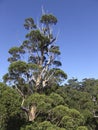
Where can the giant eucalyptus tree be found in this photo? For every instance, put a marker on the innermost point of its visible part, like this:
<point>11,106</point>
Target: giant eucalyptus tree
<point>34,65</point>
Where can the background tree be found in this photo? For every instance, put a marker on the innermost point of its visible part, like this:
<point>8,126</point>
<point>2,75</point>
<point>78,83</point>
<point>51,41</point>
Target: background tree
<point>11,116</point>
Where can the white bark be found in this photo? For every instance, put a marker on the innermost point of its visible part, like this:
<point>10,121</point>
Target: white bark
<point>32,113</point>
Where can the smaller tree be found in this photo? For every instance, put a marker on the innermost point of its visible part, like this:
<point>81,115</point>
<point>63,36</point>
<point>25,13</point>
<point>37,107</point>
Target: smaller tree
<point>11,116</point>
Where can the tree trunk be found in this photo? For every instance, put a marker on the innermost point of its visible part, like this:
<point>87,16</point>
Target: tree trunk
<point>32,113</point>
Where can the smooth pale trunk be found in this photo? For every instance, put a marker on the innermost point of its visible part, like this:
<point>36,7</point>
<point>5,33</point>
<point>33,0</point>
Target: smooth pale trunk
<point>32,113</point>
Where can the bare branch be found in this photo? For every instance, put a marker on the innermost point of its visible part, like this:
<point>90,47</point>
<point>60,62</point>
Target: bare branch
<point>32,79</point>
<point>43,11</point>
<point>38,25</point>
<point>57,35</point>
<point>22,102</point>
<point>19,91</point>
<point>45,69</point>
<point>52,40</point>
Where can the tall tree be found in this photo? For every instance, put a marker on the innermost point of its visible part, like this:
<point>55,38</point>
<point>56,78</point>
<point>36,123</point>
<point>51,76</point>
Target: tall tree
<point>34,65</point>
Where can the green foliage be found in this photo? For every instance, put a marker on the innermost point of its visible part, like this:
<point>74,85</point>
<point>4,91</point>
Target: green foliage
<point>42,102</point>
<point>29,23</point>
<point>65,117</point>
<point>56,99</point>
<point>46,125</point>
<point>16,54</point>
<point>18,67</point>
<point>48,19</point>
<point>82,128</point>
<point>66,108</point>
<point>10,112</point>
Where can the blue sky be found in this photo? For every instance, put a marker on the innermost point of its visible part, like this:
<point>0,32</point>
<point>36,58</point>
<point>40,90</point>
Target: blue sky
<point>77,24</point>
